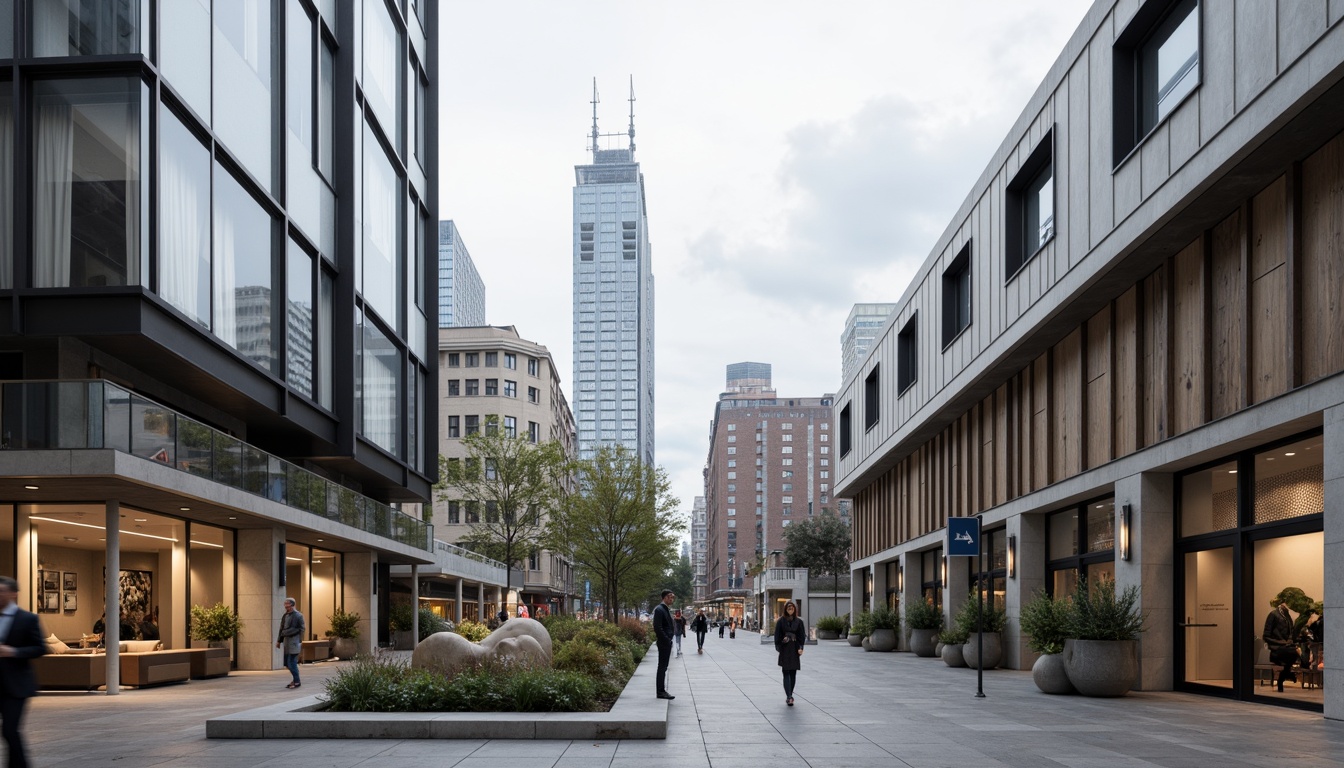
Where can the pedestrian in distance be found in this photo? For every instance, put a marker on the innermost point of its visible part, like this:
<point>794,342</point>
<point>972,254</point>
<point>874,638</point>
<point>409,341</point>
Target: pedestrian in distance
<point>680,622</point>
<point>790,638</point>
<point>664,629</point>
<point>722,624</point>
<point>291,638</point>
<point>503,615</point>
<point>732,627</point>
<point>20,640</point>
<point>700,626</point>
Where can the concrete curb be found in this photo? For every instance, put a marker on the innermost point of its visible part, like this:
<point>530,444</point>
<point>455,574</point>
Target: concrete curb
<point>636,715</point>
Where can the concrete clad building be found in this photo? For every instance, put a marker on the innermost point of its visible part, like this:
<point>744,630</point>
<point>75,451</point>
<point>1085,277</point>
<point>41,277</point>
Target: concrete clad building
<point>217,383</point>
<point>1126,352</point>
<point>461,290</point>
<point>769,465</point>
<point>613,300</point>
<point>491,371</point>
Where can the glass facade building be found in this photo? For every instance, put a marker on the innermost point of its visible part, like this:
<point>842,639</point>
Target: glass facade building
<point>461,292</point>
<point>213,223</point>
<point>865,321</point>
<point>613,305</point>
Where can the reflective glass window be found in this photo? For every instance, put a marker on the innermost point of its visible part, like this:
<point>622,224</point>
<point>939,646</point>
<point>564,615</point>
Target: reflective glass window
<point>1101,526</point>
<point>325,289</point>
<point>302,184</point>
<point>382,230</point>
<point>88,202</point>
<point>1169,64</point>
<point>6,179</point>
<point>1290,481</point>
<point>382,69</point>
<point>83,28</point>
<point>243,51</point>
<point>380,390</point>
<point>1209,500</point>
<point>1063,532</point>
<point>184,219</point>
<point>6,38</point>
<point>242,272</point>
<point>180,53</point>
<point>299,319</point>
<point>326,75</point>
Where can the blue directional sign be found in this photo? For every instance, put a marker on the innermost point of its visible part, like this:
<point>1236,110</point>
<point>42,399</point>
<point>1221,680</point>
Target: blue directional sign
<point>963,537</point>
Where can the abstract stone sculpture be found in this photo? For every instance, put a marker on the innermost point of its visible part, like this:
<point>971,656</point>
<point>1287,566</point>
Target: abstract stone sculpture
<point>517,641</point>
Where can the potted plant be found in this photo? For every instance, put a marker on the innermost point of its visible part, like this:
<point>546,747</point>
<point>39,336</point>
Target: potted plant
<point>216,625</point>
<point>343,633</point>
<point>972,620</point>
<point>924,622</point>
<point>860,627</point>
<point>885,622</point>
<point>953,641</point>
<point>400,620</point>
<point>1101,654</point>
<point>830,627</point>
<point>1045,622</point>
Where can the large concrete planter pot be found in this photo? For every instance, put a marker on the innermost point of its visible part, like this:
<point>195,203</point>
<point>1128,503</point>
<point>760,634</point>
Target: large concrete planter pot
<point>867,643</point>
<point>1102,667</point>
<point>991,654</point>
<point>883,640</point>
<point>952,656</point>
<point>938,649</point>
<point>924,642</point>
<point>1049,675</point>
<point>827,634</point>
<point>343,647</point>
<point>855,640</point>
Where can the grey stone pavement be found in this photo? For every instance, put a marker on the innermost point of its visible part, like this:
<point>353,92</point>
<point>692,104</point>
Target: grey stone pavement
<point>853,709</point>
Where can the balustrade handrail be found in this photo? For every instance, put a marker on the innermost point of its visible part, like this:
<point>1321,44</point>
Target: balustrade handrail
<point>444,546</point>
<point>99,414</point>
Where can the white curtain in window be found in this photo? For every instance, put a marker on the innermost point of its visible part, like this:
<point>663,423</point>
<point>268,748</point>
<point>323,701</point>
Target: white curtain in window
<point>51,216</point>
<point>180,228</point>
<point>224,271</point>
<point>6,195</point>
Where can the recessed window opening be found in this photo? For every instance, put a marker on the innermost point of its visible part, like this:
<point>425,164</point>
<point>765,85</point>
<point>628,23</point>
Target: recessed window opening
<point>1156,65</point>
<point>907,355</point>
<point>957,295</point>
<point>1031,207</point>
<point>870,398</point>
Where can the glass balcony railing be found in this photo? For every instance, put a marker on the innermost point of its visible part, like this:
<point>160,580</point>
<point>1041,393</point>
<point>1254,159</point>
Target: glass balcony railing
<point>65,415</point>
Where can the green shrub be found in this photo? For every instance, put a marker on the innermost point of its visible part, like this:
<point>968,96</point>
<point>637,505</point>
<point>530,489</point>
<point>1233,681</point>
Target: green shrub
<point>1100,614</point>
<point>214,624</point>
<point>379,685</point>
<point>1045,620</point>
<point>400,617</point>
<point>431,623</point>
<point>885,618</point>
<point>561,628</point>
<point>550,690</point>
<point>581,657</point>
<point>831,624</point>
<point>862,624</point>
<point>472,630</point>
<point>343,624</point>
<point>971,618</point>
<point>921,614</point>
<point>953,636</point>
<point>635,629</point>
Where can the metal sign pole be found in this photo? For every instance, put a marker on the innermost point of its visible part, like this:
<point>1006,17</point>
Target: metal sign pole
<point>980,616</point>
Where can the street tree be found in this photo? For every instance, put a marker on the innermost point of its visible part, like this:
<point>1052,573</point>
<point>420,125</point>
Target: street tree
<point>507,486</point>
<point>821,545</point>
<point>621,520</point>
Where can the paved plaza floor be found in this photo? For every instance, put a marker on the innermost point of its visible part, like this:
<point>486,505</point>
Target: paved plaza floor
<point>853,709</point>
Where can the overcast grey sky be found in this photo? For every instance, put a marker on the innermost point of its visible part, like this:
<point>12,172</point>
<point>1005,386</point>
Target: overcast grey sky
<point>798,157</point>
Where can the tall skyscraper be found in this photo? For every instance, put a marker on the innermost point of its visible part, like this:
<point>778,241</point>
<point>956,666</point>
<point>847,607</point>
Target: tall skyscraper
<point>461,292</point>
<point>613,298</point>
<point>861,327</point>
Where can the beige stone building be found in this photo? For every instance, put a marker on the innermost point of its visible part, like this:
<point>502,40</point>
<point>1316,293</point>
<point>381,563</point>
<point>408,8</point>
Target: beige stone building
<point>492,371</point>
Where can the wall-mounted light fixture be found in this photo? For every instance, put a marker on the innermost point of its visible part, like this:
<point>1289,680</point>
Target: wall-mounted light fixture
<point>1126,521</point>
<point>900,578</point>
<point>1012,556</point>
<point>942,576</point>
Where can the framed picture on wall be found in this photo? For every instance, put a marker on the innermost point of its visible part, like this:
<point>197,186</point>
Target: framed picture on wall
<point>69,581</point>
<point>51,602</point>
<point>70,602</point>
<point>51,581</point>
<point>137,591</point>
<point>48,591</point>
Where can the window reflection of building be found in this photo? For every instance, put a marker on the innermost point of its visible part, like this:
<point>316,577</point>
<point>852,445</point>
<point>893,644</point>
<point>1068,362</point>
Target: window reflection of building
<point>1074,549</point>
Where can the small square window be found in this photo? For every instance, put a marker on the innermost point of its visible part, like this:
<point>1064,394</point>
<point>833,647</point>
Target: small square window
<point>473,359</point>
<point>454,359</point>
<point>454,388</point>
<point>1031,207</point>
<point>492,386</point>
<point>473,387</point>
<point>510,361</point>
<point>454,427</point>
<point>957,295</point>
<point>510,388</point>
<point>492,359</point>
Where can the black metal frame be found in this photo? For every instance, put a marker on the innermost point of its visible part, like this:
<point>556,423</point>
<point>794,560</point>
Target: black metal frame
<point>1082,559</point>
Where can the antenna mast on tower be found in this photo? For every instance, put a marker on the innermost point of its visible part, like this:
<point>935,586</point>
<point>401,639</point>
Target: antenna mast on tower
<point>595,102</point>
<point>632,117</point>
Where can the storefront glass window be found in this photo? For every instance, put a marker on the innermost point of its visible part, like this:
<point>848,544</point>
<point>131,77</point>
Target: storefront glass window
<point>1086,550</point>
<point>7,544</point>
<point>1063,534</point>
<point>1101,526</point>
<point>1290,481</point>
<point>212,568</point>
<point>931,577</point>
<point>1291,570</point>
<point>1209,500</point>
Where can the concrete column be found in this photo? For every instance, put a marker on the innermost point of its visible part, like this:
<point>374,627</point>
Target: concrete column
<point>1029,569</point>
<point>112,597</point>
<point>1151,567</point>
<point>357,597</point>
<point>1334,555</point>
<point>879,586</point>
<point>259,597</point>
<point>856,584</point>
<point>457,604</point>
<point>910,591</point>
<point>480,602</point>
<point>415,604</point>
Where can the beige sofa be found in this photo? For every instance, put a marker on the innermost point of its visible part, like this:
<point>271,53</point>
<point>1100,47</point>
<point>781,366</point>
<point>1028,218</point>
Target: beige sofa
<point>140,665</point>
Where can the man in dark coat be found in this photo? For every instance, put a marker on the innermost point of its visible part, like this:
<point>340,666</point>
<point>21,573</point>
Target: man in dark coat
<point>664,628</point>
<point>1278,637</point>
<point>20,640</point>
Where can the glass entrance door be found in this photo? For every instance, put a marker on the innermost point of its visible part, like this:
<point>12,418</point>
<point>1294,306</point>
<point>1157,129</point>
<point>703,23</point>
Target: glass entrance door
<point>1207,618</point>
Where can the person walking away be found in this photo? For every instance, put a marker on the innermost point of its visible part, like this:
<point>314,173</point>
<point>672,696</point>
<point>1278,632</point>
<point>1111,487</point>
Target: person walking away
<point>291,637</point>
<point>790,638</point>
<point>680,622</point>
<point>664,628</point>
<point>732,627</point>
<point>700,626</point>
<point>722,625</point>
<point>20,640</point>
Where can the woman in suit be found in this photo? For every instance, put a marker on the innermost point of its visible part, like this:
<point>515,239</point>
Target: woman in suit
<point>790,637</point>
<point>20,640</point>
